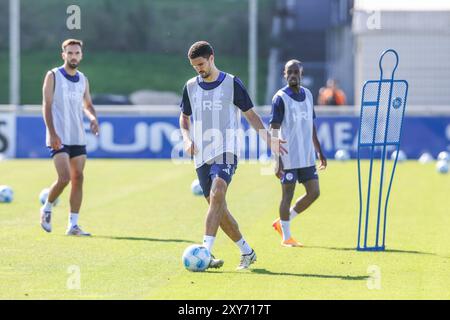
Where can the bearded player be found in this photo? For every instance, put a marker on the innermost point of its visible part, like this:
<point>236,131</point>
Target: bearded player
<point>215,100</point>
<point>66,98</point>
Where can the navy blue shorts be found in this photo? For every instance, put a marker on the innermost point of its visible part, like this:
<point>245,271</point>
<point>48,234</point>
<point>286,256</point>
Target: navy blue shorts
<point>209,171</point>
<point>301,175</point>
<point>72,151</point>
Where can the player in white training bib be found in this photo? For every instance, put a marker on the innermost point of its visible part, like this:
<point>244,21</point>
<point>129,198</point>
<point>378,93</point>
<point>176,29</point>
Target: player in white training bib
<point>66,99</point>
<point>293,120</point>
<point>215,100</point>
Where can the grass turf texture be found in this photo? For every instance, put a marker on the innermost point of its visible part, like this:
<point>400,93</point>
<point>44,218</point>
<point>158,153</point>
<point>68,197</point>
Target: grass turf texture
<point>143,215</point>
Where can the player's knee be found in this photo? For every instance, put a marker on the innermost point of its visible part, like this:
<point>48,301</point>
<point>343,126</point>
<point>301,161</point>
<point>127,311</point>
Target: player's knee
<point>217,194</point>
<point>286,202</point>
<point>287,197</point>
<point>64,179</point>
<point>77,176</point>
<point>314,194</point>
<point>218,190</point>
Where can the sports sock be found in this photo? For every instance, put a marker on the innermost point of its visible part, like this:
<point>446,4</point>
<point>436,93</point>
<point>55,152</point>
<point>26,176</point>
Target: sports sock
<point>285,226</point>
<point>292,214</point>
<point>48,206</point>
<point>73,219</point>
<point>243,246</point>
<point>208,242</point>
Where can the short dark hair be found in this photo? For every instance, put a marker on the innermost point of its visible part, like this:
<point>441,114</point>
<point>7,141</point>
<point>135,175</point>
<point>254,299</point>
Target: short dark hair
<point>200,49</point>
<point>292,61</point>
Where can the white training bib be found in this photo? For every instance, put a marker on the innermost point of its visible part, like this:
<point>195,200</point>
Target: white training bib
<point>297,130</point>
<point>67,109</point>
<point>216,120</point>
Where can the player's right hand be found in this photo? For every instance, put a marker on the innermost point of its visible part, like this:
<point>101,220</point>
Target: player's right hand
<point>276,146</point>
<point>189,148</point>
<point>55,142</point>
<point>279,169</point>
<point>279,172</point>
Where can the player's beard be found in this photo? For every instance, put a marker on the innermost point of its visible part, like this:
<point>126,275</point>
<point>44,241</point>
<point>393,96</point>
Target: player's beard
<point>72,65</point>
<point>294,82</point>
<point>205,74</point>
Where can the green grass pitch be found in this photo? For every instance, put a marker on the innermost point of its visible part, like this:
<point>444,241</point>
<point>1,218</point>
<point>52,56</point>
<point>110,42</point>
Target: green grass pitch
<point>143,215</point>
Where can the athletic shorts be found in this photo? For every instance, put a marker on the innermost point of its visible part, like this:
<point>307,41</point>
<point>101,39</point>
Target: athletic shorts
<point>301,175</point>
<point>72,151</point>
<point>215,168</point>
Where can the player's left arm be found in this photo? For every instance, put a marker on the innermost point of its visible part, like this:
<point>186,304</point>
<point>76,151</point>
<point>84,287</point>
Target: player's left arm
<point>273,142</point>
<point>317,147</point>
<point>244,103</point>
<point>89,110</point>
<point>320,155</point>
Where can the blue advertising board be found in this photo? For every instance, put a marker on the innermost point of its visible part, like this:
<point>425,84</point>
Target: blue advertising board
<point>158,137</point>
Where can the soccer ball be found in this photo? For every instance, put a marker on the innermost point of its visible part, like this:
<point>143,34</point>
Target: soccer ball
<point>6,194</point>
<point>442,166</point>
<point>196,188</point>
<point>342,155</point>
<point>443,156</point>
<point>401,156</point>
<point>196,258</point>
<point>425,158</point>
<point>264,159</point>
<point>44,195</point>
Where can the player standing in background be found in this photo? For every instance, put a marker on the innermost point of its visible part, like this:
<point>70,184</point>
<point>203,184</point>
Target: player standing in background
<point>292,110</point>
<point>64,91</point>
<point>214,99</point>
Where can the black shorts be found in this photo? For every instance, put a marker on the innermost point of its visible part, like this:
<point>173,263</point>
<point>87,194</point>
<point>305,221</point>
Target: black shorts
<point>72,151</point>
<point>301,175</point>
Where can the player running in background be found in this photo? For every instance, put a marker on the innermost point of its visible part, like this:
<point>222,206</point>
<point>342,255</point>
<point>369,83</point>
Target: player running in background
<point>64,91</point>
<point>215,99</point>
<point>293,112</point>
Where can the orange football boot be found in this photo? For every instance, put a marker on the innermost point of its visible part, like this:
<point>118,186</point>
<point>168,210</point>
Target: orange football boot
<point>291,242</point>
<point>277,226</point>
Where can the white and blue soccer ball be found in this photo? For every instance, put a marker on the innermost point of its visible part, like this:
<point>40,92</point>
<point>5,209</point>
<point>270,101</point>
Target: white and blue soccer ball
<point>444,155</point>
<point>264,158</point>
<point>401,156</point>
<point>425,158</point>
<point>342,155</point>
<point>442,166</point>
<point>6,194</point>
<point>44,195</point>
<point>196,188</point>
<point>196,258</point>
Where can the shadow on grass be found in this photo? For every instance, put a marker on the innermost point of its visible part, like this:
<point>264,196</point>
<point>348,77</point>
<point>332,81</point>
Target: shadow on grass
<point>144,239</point>
<point>302,275</point>
<point>387,250</point>
<point>307,275</point>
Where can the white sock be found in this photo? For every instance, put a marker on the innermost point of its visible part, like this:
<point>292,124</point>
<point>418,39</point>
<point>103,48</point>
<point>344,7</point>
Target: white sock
<point>208,242</point>
<point>292,214</point>
<point>73,219</point>
<point>243,246</point>
<point>285,226</point>
<point>48,206</point>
